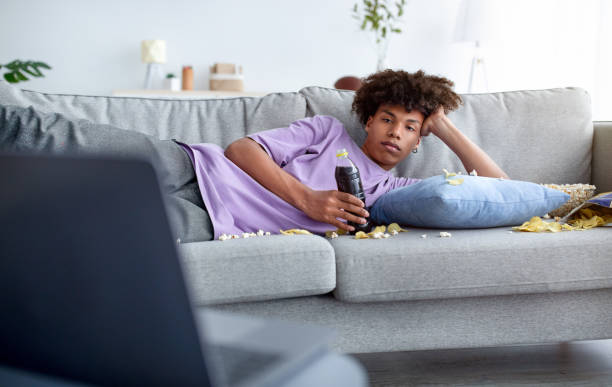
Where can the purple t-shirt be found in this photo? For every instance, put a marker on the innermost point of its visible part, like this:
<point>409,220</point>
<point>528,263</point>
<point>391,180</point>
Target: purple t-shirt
<point>306,149</point>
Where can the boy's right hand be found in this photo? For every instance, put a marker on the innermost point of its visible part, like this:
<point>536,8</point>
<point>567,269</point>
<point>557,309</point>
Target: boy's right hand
<point>328,206</point>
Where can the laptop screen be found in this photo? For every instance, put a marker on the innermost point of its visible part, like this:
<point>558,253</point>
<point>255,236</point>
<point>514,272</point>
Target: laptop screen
<point>91,288</point>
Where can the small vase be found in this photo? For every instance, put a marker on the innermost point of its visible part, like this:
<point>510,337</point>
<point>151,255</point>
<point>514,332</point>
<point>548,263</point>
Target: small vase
<point>173,84</point>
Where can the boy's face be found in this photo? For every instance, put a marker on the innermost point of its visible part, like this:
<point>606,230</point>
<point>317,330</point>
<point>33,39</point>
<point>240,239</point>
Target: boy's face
<point>393,133</point>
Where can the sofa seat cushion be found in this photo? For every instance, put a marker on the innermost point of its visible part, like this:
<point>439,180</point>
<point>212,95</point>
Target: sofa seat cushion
<point>258,268</point>
<point>481,262</point>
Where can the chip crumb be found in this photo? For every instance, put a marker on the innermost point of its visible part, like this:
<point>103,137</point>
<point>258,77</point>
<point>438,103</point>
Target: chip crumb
<point>510,232</point>
<point>473,173</point>
<point>424,236</point>
<point>444,234</point>
<point>546,216</point>
<point>394,232</point>
<point>385,235</point>
<point>557,218</point>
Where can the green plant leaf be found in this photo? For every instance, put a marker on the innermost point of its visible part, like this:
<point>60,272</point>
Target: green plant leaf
<point>10,77</point>
<point>20,75</point>
<point>43,65</point>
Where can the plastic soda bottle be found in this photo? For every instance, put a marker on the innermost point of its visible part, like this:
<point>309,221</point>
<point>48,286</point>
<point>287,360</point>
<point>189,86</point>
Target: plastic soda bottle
<point>349,181</point>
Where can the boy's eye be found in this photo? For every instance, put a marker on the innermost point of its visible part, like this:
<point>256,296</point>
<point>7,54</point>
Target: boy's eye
<point>386,120</point>
<point>410,128</point>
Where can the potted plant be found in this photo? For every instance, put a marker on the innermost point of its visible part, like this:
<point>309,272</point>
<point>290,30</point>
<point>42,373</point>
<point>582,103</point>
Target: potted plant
<point>172,82</point>
<point>17,69</point>
<point>382,17</point>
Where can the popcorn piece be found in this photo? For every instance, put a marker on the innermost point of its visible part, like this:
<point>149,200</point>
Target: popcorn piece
<point>377,235</point>
<point>385,235</point>
<point>235,236</point>
<point>246,235</point>
<point>178,241</point>
<point>394,232</point>
<point>224,237</point>
<point>424,236</point>
<point>260,232</point>
<point>334,235</point>
<point>473,173</point>
<point>546,216</point>
<point>267,233</point>
<point>444,234</point>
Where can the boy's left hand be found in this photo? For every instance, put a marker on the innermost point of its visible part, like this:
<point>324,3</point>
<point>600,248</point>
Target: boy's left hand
<point>434,123</point>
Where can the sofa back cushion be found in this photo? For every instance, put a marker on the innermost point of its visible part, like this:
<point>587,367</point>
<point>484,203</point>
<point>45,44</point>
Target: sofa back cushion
<point>219,121</point>
<point>542,136</point>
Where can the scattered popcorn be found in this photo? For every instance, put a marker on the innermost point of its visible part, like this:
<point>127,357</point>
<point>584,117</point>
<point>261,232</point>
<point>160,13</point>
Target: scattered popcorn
<point>448,174</point>
<point>377,235</point>
<point>267,233</point>
<point>224,237</point>
<point>246,235</point>
<point>444,234</point>
<point>473,173</point>
<point>333,235</point>
<point>546,216</point>
<point>235,236</point>
<point>557,218</point>
<point>260,232</point>
<point>424,236</point>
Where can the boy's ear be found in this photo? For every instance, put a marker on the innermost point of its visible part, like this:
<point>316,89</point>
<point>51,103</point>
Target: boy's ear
<point>367,126</point>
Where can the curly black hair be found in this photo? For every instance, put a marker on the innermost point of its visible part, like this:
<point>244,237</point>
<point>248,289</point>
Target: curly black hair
<point>425,93</point>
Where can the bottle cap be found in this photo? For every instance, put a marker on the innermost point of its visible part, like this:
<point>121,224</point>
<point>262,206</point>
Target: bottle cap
<point>341,152</point>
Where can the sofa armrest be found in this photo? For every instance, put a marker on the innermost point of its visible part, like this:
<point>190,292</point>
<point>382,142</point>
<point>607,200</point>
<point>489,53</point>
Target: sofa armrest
<point>601,172</point>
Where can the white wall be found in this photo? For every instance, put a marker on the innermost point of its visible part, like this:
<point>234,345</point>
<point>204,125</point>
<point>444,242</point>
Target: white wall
<point>94,46</point>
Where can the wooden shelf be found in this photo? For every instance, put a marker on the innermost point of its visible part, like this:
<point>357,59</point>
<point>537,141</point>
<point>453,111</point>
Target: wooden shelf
<point>194,94</point>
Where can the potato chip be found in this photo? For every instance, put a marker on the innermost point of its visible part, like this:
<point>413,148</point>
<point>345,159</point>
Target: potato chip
<point>361,235</point>
<point>295,231</point>
<point>454,181</point>
<point>395,227</point>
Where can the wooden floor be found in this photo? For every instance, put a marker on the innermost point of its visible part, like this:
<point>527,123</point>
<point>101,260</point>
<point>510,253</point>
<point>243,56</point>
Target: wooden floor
<point>580,363</point>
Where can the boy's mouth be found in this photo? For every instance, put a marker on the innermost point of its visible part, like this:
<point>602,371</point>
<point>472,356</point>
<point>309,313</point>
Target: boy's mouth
<point>391,146</point>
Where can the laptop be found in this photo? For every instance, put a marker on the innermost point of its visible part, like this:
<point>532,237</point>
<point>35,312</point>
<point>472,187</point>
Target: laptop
<point>92,289</point>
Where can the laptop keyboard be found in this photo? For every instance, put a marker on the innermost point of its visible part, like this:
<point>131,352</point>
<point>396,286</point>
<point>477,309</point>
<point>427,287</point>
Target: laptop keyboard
<point>238,364</point>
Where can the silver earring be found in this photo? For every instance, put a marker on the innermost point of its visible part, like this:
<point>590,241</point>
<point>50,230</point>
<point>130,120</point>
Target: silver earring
<point>415,150</point>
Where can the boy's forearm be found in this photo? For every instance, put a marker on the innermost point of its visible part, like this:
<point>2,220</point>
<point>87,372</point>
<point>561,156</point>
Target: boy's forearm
<point>249,156</point>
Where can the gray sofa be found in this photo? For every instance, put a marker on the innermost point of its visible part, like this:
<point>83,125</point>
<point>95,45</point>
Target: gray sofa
<point>483,287</point>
